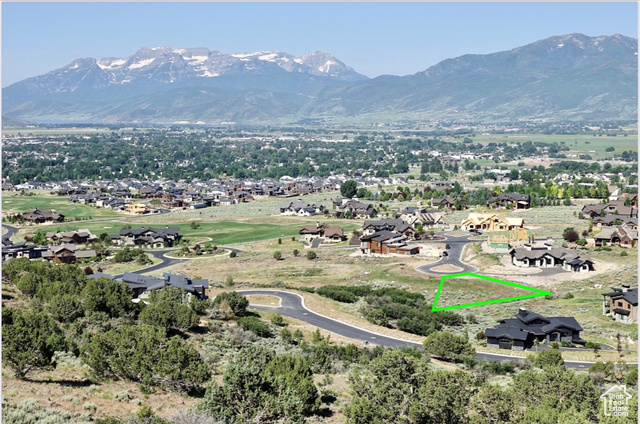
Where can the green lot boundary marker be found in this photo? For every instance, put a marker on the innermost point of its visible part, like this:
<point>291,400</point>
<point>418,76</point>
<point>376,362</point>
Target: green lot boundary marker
<point>536,292</point>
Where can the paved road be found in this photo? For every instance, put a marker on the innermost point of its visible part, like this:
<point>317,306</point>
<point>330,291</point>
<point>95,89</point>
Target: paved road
<point>456,244</point>
<point>10,231</point>
<point>293,306</point>
<point>158,254</point>
<point>168,261</point>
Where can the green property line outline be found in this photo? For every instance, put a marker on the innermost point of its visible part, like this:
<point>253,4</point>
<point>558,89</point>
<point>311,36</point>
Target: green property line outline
<point>537,292</point>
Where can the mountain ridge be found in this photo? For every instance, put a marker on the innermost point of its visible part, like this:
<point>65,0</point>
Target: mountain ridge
<point>570,76</point>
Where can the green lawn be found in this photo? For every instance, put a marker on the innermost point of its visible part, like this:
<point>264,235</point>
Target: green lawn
<point>579,144</point>
<point>12,204</point>
<point>221,232</point>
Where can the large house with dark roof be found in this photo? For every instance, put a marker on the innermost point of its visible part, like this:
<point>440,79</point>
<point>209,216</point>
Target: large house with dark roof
<point>615,220</point>
<point>386,243</point>
<point>152,237</point>
<point>519,333</point>
<point>394,225</point>
<point>66,254</point>
<point>328,233</point>
<point>447,202</point>
<point>510,200</point>
<point>81,236</point>
<point>12,250</point>
<point>143,285</point>
<point>621,304</point>
<point>354,207</point>
<point>40,216</point>
<point>622,236</point>
<point>616,207</point>
<point>548,257</point>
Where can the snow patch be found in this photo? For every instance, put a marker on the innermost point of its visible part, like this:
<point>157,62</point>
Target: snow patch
<point>244,55</point>
<point>75,66</point>
<point>196,59</point>
<point>560,45</point>
<point>327,66</point>
<point>141,64</point>
<point>208,73</point>
<point>113,64</point>
<point>298,60</point>
<point>268,57</point>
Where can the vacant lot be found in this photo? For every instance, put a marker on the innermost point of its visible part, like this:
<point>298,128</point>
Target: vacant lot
<point>593,145</point>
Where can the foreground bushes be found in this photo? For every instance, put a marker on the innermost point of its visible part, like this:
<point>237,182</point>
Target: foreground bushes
<point>144,354</point>
<point>394,308</point>
<point>259,386</point>
<point>29,340</point>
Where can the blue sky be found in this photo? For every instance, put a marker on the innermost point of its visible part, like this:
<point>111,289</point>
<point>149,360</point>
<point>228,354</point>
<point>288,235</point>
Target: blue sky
<point>373,38</point>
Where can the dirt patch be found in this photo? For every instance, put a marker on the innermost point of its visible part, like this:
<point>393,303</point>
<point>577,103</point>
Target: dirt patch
<point>307,330</point>
<point>264,300</point>
<point>447,268</point>
<point>446,365</point>
<point>68,391</point>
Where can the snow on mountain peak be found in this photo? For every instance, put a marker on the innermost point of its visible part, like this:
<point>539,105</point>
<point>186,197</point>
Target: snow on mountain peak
<point>202,62</point>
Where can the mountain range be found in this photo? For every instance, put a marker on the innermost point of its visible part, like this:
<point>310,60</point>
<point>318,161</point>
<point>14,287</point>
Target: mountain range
<point>568,77</point>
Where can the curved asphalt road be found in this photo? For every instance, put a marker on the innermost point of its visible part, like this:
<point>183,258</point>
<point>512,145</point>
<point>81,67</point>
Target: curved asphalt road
<point>10,231</point>
<point>166,261</point>
<point>292,305</point>
<point>456,244</point>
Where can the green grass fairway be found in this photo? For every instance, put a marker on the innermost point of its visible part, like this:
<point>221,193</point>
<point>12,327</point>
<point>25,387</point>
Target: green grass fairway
<point>221,232</point>
<point>13,204</point>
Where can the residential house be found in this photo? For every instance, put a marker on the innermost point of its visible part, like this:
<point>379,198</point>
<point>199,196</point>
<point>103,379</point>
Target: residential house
<point>152,237</point>
<point>66,254</point>
<point>548,257</point>
<point>82,236</point>
<point>386,243</point>
<point>329,233</point>
<point>491,222</point>
<point>510,200</point>
<point>617,207</point>
<point>21,250</point>
<point>615,220</point>
<point>137,208</point>
<point>146,192</point>
<point>446,202</point>
<point>617,236</point>
<point>429,219</point>
<point>394,225</point>
<point>301,208</point>
<point>519,333</point>
<point>40,216</point>
<point>143,285</point>
<point>356,208</point>
<point>621,304</point>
